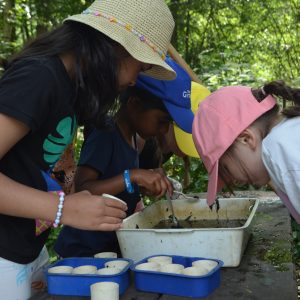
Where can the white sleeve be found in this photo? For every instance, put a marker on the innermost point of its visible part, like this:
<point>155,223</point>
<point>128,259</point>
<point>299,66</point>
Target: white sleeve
<point>291,183</point>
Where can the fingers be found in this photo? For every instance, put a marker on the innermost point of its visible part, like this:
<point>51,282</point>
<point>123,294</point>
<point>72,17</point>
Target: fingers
<point>157,183</point>
<point>84,193</point>
<point>163,187</point>
<point>157,188</point>
<point>110,219</point>
<point>115,203</point>
<point>109,227</point>
<point>110,224</point>
<point>114,212</point>
<point>170,187</point>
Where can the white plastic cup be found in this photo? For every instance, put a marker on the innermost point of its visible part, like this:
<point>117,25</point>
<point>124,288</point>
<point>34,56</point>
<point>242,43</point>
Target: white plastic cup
<point>113,197</point>
<point>162,259</point>
<point>172,268</point>
<point>149,266</point>
<point>106,255</point>
<point>61,269</point>
<point>120,264</point>
<point>207,264</point>
<point>194,271</point>
<point>105,291</point>
<point>86,269</point>
<point>108,271</point>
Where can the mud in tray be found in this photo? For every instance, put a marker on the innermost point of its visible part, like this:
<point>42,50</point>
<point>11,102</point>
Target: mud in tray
<point>70,284</point>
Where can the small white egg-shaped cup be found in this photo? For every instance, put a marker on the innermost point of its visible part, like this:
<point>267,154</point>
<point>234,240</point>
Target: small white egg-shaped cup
<point>105,291</point>
<point>61,269</point>
<point>194,271</point>
<point>86,269</point>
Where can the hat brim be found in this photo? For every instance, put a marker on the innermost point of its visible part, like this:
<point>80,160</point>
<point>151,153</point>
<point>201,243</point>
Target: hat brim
<point>185,142</point>
<point>184,117</point>
<point>215,184</point>
<point>184,139</point>
<point>212,184</point>
<point>181,116</point>
<point>137,49</point>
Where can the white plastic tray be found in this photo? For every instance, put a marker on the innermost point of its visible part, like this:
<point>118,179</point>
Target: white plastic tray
<point>138,239</point>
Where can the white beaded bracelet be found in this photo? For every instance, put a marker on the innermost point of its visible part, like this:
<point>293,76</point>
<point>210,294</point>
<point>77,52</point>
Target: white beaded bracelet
<point>59,208</point>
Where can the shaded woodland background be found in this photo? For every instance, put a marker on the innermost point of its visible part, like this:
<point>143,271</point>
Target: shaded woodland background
<point>226,42</point>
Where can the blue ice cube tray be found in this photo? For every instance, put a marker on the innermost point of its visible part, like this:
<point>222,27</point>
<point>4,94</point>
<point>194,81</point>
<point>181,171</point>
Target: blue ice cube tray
<point>178,284</point>
<point>79,284</point>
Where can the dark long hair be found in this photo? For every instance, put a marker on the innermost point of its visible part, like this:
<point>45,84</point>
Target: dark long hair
<point>97,62</point>
<point>146,99</point>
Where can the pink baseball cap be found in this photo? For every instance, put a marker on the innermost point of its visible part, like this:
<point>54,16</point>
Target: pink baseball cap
<point>219,120</point>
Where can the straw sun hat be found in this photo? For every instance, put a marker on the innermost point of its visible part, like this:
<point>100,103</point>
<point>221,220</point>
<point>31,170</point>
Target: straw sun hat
<point>143,27</point>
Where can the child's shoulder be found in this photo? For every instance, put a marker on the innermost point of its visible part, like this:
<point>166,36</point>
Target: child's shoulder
<point>34,62</point>
<point>284,132</point>
<point>287,125</point>
<point>40,68</point>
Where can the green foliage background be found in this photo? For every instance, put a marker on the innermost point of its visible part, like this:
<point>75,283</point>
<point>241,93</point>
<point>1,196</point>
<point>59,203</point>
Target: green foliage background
<point>226,42</point>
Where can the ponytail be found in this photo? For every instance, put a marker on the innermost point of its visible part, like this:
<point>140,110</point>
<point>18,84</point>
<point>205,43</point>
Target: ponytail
<point>281,90</point>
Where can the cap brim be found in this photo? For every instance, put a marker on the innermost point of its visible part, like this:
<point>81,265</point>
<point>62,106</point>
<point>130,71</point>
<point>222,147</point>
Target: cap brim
<point>137,49</point>
<point>198,94</point>
<point>185,142</point>
<point>215,184</point>
<point>184,139</point>
<point>181,116</point>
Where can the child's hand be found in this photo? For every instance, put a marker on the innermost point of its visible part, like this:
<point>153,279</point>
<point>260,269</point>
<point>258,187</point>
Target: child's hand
<point>85,211</point>
<point>156,183</point>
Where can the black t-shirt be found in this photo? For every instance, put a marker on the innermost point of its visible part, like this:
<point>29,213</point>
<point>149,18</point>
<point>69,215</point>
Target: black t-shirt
<point>39,93</point>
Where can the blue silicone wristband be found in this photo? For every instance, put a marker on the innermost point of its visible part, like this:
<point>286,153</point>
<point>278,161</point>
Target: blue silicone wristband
<point>127,181</point>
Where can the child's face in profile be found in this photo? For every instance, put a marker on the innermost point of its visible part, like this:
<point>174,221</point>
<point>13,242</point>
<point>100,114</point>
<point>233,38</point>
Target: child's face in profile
<point>242,164</point>
<point>167,142</point>
<point>152,122</point>
<point>129,70</point>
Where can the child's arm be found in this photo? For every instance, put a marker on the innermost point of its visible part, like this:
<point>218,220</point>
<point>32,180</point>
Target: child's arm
<point>80,210</point>
<point>87,179</point>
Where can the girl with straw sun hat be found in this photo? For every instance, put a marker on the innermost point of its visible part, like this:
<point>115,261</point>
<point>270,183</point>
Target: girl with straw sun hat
<point>66,77</point>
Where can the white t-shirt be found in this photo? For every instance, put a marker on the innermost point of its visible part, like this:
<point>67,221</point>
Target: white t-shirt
<point>281,157</point>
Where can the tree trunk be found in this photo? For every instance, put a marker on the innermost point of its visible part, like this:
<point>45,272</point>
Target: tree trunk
<point>187,31</point>
<point>42,12</point>
<point>8,24</point>
<point>174,5</point>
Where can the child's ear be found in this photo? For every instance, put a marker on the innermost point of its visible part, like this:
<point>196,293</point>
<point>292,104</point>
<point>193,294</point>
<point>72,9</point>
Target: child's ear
<point>248,137</point>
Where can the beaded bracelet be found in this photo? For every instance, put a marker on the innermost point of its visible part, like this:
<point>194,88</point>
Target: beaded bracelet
<point>59,208</point>
<point>127,181</point>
